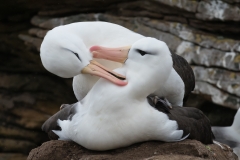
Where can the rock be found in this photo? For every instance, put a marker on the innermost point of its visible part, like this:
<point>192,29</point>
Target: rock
<point>153,150</point>
<point>19,17</point>
<point>145,9</point>
<point>18,132</point>
<point>37,32</point>
<point>216,95</point>
<point>14,145</point>
<point>36,42</point>
<point>231,1</point>
<point>12,27</point>
<point>211,10</point>
<point>216,26</point>
<point>190,6</point>
<point>208,57</point>
<point>28,83</point>
<point>27,99</point>
<point>175,19</point>
<point>225,80</point>
<point>54,22</point>
<point>194,35</point>
<point>12,156</point>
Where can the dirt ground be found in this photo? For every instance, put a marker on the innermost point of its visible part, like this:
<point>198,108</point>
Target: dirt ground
<point>153,150</point>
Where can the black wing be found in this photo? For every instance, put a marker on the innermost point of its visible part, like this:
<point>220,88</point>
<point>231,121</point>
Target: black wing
<point>65,113</point>
<point>185,71</point>
<point>190,120</point>
<point>193,121</point>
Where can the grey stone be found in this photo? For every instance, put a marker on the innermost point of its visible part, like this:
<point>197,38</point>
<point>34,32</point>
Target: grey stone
<point>36,42</point>
<point>216,26</point>
<point>180,30</point>
<point>187,5</point>
<point>225,80</point>
<point>48,23</point>
<point>188,33</point>
<point>217,9</point>
<point>231,1</point>
<point>143,8</point>
<point>216,95</point>
<point>176,19</point>
<point>208,57</point>
<point>38,32</point>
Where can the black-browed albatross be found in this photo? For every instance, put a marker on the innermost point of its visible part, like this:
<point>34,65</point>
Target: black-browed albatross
<point>191,120</point>
<point>230,135</point>
<point>130,119</point>
<point>66,48</point>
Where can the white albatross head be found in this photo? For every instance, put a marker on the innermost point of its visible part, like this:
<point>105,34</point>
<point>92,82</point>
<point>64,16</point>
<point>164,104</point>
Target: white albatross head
<point>64,54</point>
<point>148,62</point>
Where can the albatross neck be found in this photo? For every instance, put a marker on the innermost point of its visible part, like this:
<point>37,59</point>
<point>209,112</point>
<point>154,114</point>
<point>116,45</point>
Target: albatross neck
<point>143,84</point>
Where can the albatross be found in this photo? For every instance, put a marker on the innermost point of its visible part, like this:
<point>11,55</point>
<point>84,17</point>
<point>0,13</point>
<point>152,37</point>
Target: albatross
<point>230,135</point>
<point>191,120</point>
<point>112,116</point>
<point>65,49</point>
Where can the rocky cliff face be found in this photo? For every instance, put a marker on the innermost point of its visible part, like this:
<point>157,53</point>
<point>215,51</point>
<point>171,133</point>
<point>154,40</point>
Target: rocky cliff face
<point>205,32</point>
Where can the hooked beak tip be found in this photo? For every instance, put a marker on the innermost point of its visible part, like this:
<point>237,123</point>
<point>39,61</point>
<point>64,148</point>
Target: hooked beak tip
<point>94,48</point>
<point>94,68</point>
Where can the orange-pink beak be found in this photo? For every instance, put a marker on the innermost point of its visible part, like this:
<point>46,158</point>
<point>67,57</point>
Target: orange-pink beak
<point>95,68</point>
<point>113,54</point>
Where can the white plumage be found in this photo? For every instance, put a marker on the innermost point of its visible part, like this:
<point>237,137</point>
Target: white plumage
<point>230,135</point>
<point>61,43</point>
<point>112,116</point>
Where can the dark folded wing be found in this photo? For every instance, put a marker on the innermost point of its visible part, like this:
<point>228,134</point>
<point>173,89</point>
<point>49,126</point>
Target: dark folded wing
<point>185,71</point>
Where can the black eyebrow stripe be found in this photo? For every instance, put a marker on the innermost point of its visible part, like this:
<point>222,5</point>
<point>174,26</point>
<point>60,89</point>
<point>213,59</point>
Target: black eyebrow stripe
<point>141,52</point>
<point>77,56</point>
<point>73,53</point>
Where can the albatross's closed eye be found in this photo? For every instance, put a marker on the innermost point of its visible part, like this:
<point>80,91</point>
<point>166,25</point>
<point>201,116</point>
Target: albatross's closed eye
<point>76,55</point>
<point>141,52</point>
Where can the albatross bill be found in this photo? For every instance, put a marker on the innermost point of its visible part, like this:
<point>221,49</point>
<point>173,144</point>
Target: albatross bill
<point>114,54</point>
<point>119,54</point>
<point>95,68</point>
